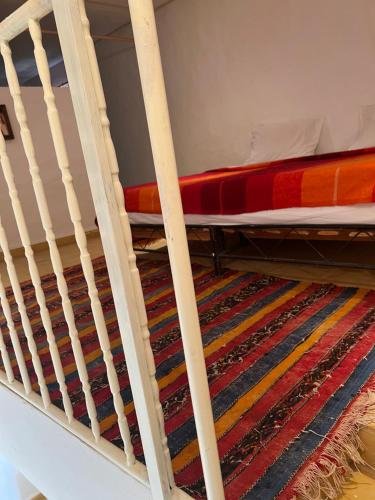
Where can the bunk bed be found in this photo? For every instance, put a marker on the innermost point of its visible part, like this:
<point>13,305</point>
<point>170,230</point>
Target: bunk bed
<point>314,201</point>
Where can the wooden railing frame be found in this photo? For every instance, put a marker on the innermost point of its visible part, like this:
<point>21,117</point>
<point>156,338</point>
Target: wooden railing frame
<point>69,15</point>
<point>16,23</point>
<point>102,168</point>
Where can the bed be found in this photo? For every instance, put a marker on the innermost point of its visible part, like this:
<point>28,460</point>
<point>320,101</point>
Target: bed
<point>315,200</point>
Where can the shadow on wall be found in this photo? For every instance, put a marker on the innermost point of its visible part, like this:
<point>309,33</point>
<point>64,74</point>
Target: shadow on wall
<point>13,485</point>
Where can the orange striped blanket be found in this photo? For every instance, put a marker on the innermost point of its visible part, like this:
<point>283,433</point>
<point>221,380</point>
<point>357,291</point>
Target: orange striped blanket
<point>344,178</point>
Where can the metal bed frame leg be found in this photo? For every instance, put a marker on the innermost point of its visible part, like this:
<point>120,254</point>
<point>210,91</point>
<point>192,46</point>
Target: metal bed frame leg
<point>218,246</point>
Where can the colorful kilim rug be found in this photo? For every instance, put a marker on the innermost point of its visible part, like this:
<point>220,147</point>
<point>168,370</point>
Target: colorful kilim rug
<point>290,365</point>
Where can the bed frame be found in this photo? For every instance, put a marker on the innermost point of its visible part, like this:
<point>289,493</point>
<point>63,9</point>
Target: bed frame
<point>327,244</point>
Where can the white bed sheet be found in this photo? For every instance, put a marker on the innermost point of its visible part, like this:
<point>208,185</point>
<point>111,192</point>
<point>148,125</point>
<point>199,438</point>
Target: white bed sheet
<point>352,214</point>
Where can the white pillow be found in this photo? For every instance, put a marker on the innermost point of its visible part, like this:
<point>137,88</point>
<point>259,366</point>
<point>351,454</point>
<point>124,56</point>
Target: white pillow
<point>278,141</point>
<point>366,134</point>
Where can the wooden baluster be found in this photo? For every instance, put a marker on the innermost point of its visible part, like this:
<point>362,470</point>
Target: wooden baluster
<point>156,106</point>
<point>80,235</point>
<point>50,236</point>
<point>5,357</point>
<point>35,276</point>
<point>14,339</point>
<point>24,317</point>
<point>119,194</point>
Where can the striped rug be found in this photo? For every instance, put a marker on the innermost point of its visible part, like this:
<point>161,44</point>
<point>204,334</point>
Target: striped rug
<point>290,365</point>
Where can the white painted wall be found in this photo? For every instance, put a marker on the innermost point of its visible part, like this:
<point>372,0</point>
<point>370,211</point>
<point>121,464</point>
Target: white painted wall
<point>13,485</point>
<point>50,173</point>
<point>59,464</point>
<point>232,63</point>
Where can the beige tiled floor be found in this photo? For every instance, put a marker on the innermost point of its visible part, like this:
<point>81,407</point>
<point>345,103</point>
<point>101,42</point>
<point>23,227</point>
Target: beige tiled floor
<point>318,274</point>
<point>361,487</point>
<point>70,256</point>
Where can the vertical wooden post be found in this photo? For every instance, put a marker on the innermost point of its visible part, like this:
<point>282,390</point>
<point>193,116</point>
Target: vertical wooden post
<point>7,311</point>
<point>119,195</point>
<point>6,360</point>
<point>25,320</point>
<point>80,235</point>
<point>152,78</point>
<point>45,216</point>
<point>34,274</point>
<point>80,75</point>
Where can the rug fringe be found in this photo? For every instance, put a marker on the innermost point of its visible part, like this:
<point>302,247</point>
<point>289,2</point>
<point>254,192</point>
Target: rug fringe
<point>341,457</point>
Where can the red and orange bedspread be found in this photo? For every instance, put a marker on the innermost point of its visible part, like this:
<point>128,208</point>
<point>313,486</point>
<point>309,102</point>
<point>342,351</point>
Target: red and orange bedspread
<point>345,178</point>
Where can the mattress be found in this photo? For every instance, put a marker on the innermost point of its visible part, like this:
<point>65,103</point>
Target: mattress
<point>232,194</point>
<point>361,214</point>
